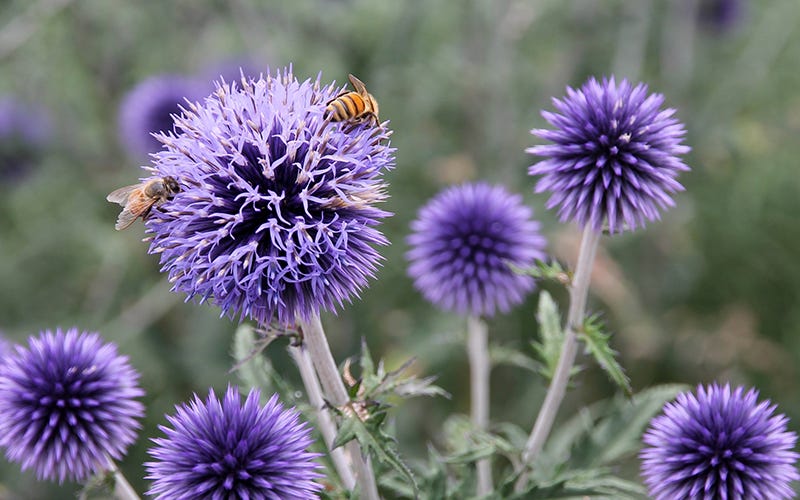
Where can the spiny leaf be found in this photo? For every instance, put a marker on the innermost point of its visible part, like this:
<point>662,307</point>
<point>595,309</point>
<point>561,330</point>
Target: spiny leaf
<point>604,432</point>
<point>367,365</point>
<point>373,441</point>
<point>376,382</point>
<point>597,344</point>
<point>543,270</point>
<point>543,491</point>
<point>549,349</point>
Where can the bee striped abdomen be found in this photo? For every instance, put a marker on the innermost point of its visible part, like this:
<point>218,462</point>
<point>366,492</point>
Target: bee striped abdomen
<point>346,107</point>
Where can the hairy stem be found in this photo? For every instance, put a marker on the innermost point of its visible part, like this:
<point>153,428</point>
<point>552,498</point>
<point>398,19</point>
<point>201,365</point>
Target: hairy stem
<point>336,393</point>
<point>324,420</point>
<point>478,353</point>
<point>558,386</point>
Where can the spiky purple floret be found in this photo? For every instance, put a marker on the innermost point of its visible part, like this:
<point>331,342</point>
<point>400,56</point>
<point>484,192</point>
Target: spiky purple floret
<point>613,157</point>
<point>462,243</point>
<point>148,108</point>
<point>226,449</point>
<point>67,402</point>
<point>719,444</point>
<point>276,214</point>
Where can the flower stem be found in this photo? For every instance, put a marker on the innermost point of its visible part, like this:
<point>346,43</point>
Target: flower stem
<point>558,386</point>
<point>326,424</point>
<point>333,387</point>
<point>478,353</point>
<point>122,488</point>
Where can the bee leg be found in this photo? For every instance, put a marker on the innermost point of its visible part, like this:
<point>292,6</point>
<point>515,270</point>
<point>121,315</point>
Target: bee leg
<point>146,213</point>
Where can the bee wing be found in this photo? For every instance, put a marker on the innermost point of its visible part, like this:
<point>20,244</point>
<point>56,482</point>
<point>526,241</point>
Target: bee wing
<point>357,84</point>
<point>133,210</point>
<point>122,194</point>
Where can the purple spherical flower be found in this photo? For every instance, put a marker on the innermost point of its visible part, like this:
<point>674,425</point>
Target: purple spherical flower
<point>462,244</point>
<point>148,109</point>
<point>614,155</point>
<point>226,449</point>
<point>25,129</point>
<point>718,444</point>
<point>276,215</point>
<point>67,404</point>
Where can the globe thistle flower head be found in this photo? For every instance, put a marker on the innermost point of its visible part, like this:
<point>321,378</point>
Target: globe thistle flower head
<point>614,156</point>
<point>68,403</point>
<point>25,130</point>
<point>229,449</point>
<point>276,215</point>
<point>149,107</point>
<point>462,244</point>
<point>719,444</point>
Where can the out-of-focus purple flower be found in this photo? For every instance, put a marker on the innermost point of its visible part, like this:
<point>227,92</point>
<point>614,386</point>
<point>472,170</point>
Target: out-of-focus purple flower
<point>276,215</point>
<point>462,243</point>
<point>719,444</point>
<point>613,158</point>
<point>67,404</point>
<point>148,109</point>
<point>721,15</point>
<point>226,449</point>
<point>232,70</point>
<point>25,130</point>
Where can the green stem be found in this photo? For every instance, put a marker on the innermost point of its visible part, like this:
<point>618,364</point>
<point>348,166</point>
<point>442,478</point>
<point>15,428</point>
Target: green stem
<point>479,368</point>
<point>333,387</point>
<point>327,426</point>
<point>555,394</point>
<point>122,488</point>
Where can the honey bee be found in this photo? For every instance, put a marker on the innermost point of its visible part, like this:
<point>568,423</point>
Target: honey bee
<point>139,199</point>
<point>354,107</point>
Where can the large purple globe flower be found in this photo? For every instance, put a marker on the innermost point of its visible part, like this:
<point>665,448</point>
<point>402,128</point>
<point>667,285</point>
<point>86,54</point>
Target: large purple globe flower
<point>462,244</point>
<point>613,158</point>
<point>67,404</point>
<point>276,214</point>
<point>226,449</point>
<point>719,444</point>
<point>148,108</point>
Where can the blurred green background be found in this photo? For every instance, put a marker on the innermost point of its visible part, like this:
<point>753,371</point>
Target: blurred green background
<point>711,292</point>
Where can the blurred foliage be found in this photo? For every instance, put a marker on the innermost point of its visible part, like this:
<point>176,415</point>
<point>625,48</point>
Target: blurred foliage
<point>712,292</point>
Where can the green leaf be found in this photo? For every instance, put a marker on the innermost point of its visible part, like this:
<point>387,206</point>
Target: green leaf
<point>597,483</point>
<point>597,344</point>
<point>375,442</point>
<point>543,491</point>
<point>434,479</point>
<point>502,355</point>
<point>603,433</point>
<point>376,382</point>
<point>543,270</point>
<point>549,349</point>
